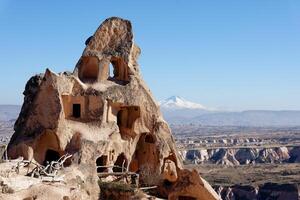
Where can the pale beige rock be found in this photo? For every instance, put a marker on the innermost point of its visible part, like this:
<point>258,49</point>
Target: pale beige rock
<point>103,120</point>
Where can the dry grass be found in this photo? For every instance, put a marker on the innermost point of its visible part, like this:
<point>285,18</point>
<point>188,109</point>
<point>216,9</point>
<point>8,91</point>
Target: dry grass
<point>116,186</point>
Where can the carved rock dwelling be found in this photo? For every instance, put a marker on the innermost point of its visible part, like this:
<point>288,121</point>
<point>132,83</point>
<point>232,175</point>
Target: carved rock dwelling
<point>103,114</point>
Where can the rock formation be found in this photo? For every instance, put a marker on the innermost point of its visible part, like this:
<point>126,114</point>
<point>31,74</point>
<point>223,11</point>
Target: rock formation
<point>104,115</point>
<point>243,155</point>
<point>266,191</point>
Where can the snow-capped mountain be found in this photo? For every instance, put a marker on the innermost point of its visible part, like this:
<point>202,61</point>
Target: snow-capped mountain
<point>176,102</point>
<point>177,110</point>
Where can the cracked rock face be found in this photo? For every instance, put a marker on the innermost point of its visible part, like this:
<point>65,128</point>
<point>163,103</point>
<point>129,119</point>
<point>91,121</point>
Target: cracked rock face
<point>104,115</point>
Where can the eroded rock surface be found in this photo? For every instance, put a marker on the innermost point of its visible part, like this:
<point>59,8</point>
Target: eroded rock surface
<point>242,156</point>
<point>266,191</point>
<point>103,114</point>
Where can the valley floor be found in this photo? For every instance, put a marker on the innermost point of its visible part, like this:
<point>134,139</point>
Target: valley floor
<point>253,175</point>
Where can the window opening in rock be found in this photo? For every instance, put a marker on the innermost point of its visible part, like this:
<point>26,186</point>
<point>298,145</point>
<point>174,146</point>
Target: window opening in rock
<point>126,118</point>
<point>115,64</point>
<point>149,139</point>
<point>89,69</point>
<point>120,70</point>
<point>101,162</point>
<point>121,163</point>
<point>111,71</point>
<point>76,110</point>
<point>51,155</point>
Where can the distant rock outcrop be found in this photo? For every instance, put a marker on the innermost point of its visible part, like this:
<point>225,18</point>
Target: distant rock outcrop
<point>242,156</point>
<point>268,191</point>
<point>103,120</point>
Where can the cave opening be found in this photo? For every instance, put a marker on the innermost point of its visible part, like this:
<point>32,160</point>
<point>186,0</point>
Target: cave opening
<point>76,110</point>
<point>126,117</point>
<point>89,69</point>
<point>149,139</point>
<point>50,156</point>
<point>145,160</point>
<point>101,163</point>
<point>167,183</point>
<point>120,164</point>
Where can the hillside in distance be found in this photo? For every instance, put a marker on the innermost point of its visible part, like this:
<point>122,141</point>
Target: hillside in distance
<point>177,110</point>
<point>9,112</point>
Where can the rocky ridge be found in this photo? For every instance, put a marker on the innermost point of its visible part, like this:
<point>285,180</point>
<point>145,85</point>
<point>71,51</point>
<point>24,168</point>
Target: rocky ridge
<point>242,156</point>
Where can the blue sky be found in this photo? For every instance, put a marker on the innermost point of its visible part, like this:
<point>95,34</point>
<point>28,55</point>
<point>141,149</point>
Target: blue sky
<point>233,54</point>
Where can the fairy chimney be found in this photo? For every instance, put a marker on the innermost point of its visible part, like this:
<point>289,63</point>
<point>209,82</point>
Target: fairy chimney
<point>104,115</point>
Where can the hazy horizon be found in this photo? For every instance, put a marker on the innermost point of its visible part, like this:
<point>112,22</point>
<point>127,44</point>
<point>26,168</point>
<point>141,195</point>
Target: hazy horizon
<point>212,109</point>
<point>226,55</point>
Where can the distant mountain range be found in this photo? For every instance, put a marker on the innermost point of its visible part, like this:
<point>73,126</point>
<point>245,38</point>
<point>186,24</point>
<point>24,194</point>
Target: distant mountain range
<point>177,110</point>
